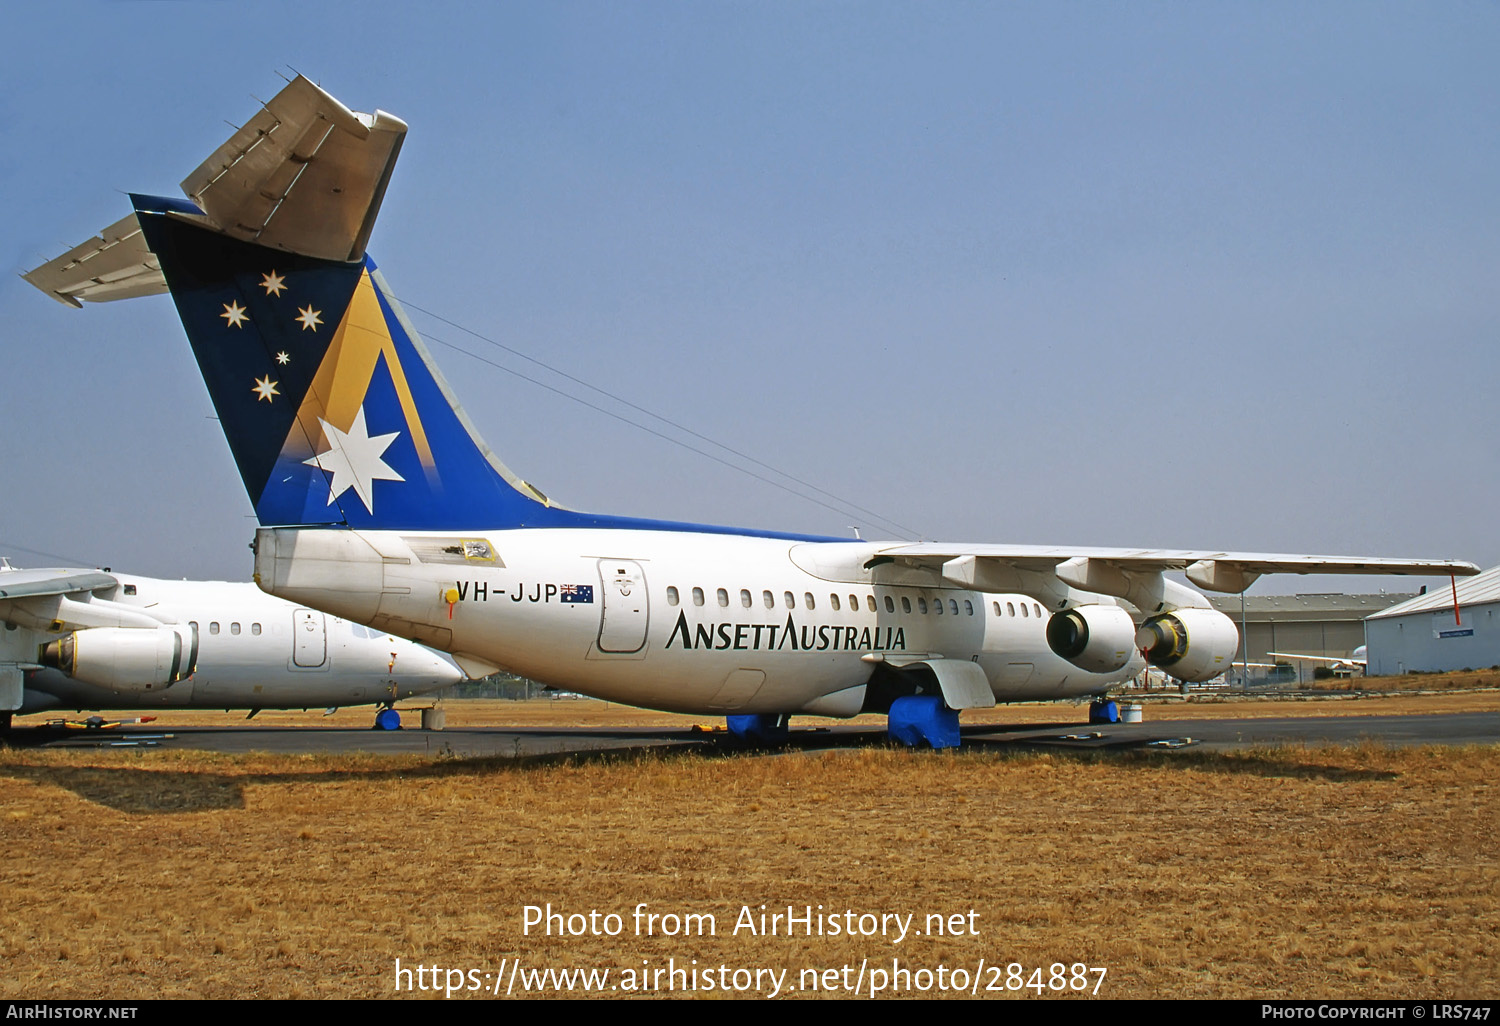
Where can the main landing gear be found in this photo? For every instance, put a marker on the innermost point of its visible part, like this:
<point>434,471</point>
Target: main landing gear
<point>760,729</point>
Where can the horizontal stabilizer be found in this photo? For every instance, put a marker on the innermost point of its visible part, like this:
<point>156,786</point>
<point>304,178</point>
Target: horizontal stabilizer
<point>305,175</point>
<point>115,264</point>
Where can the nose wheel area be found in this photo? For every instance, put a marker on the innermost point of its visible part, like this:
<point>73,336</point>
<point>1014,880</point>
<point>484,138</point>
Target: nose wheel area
<point>387,719</point>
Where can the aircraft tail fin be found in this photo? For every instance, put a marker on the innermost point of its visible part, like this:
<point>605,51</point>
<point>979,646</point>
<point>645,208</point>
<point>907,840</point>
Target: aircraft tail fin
<point>331,404</point>
<point>334,409</point>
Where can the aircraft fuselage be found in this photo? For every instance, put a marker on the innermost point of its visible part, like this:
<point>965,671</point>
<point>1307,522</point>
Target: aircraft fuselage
<point>699,623</point>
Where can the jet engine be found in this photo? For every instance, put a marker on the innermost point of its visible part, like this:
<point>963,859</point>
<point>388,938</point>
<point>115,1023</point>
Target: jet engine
<point>1095,638</point>
<point>1190,644</point>
<point>129,660</point>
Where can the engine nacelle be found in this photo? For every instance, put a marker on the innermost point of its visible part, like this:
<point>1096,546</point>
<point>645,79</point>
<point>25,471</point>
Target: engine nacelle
<point>129,660</point>
<point>1190,644</point>
<point>1100,639</point>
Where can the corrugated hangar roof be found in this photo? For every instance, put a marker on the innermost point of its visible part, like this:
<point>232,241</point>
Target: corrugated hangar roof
<point>1472,591</point>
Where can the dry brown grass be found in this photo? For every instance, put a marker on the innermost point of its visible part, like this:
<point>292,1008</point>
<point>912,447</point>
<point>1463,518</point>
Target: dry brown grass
<point>1456,679</point>
<point>1352,872</point>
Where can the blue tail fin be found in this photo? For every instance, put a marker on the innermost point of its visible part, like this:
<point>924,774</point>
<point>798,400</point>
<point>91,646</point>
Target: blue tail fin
<point>331,406</point>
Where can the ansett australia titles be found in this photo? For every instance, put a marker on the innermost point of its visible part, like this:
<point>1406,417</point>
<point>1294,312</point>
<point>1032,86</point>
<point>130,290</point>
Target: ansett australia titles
<point>751,921</point>
<point>775,637</point>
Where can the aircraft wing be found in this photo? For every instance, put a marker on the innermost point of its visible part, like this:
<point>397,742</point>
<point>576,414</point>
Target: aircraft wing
<point>21,584</point>
<point>55,600</point>
<point>1231,572</point>
<point>1343,660</point>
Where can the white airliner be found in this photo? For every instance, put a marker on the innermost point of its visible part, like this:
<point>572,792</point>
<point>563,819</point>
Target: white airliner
<point>1343,666</point>
<point>379,503</point>
<point>88,639</point>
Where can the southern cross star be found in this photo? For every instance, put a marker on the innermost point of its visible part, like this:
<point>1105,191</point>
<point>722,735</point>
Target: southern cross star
<point>354,460</point>
<point>273,283</point>
<point>265,388</point>
<point>309,317</point>
<point>234,314</point>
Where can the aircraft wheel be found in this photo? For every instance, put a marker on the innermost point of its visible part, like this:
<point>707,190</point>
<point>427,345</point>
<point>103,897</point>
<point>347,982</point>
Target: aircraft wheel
<point>387,719</point>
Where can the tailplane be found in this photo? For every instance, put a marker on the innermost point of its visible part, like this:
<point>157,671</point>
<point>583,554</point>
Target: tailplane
<point>334,411</point>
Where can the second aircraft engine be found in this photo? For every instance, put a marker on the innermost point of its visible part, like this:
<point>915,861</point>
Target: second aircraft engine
<point>1191,644</point>
<point>126,659</point>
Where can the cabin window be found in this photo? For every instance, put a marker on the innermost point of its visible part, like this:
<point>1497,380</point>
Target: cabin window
<point>234,628</point>
<point>968,607</point>
<point>768,599</point>
<point>921,605</point>
<point>853,603</point>
<point>791,600</point>
<point>834,599</point>
<point>997,609</point>
<point>870,603</point>
<point>1023,610</point>
<point>1038,610</point>
<point>671,595</point>
<point>1010,608</point>
<point>905,604</point>
<point>745,597</point>
<point>213,627</point>
<point>723,597</point>
<point>890,604</point>
<point>255,629</point>
<point>130,589</point>
<point>697,596</point>
<point>937,606</point>
<point>807,598</point>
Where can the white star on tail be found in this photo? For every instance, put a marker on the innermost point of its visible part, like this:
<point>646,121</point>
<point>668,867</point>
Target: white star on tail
<point>354,460</point>
<point>273,283</point>
<point>265,388</point>
<point>234,314</point>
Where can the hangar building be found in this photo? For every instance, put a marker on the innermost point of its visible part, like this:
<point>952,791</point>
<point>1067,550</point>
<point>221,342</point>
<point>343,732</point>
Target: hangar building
<point>1320,624</point>
<point>1421,634</point>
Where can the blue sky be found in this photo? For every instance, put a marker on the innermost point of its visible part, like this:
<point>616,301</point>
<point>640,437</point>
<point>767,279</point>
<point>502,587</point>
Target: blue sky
<point>1200,276</point>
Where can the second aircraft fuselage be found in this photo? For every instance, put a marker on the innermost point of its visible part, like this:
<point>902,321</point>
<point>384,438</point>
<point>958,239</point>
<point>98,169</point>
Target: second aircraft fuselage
<point>253,651</point>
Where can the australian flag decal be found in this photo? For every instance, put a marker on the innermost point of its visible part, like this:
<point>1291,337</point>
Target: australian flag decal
<point>576,592</point>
